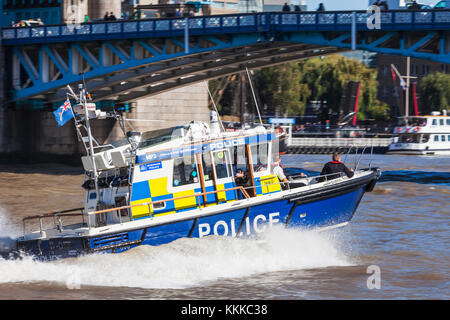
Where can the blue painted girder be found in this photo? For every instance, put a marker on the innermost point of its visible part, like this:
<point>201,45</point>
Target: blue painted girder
<point>329,29</point>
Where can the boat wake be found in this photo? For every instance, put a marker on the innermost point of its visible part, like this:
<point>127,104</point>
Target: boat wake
<point>8,233</point>
<point>187,262</point>
<point>425,177</point>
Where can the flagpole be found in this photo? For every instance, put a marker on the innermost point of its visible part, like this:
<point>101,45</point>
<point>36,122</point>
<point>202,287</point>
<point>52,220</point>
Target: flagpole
<point>402,82</point>
<point>91,146</point>
<point>408,71</point>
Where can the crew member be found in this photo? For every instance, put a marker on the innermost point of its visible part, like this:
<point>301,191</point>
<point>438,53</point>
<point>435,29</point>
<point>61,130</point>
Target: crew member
<point>335,166</point>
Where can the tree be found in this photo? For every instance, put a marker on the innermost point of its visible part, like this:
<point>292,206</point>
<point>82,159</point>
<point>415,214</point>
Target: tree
<point>327,78</point>
<point>286,89</point>
<point>280,88</point>
<point>434,92</point>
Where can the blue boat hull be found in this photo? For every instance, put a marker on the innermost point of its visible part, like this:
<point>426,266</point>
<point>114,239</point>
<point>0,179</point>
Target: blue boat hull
<point>327,207</point>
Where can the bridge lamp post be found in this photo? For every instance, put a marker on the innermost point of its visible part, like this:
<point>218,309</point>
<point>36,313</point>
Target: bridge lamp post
<point>186,35</point>
<point>353,30</point>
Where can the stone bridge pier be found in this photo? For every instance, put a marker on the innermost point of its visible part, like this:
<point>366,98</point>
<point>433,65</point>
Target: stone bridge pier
<point>28,132</point>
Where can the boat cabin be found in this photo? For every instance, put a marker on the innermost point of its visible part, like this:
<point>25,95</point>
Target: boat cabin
<point>422,129</point>
<point>166,171</point>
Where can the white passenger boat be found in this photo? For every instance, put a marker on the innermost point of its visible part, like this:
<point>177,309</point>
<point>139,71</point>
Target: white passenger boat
<point>422,135</point>
<point>154,187</point>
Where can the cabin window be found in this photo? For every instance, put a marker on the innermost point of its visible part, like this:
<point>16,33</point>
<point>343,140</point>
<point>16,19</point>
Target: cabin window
<point>434,123</point>
<point>408,138</point>
<point>159,205</point>
<point>448,122</point>
<point>259,157</point>
<point>441,122</point>
<point>184,171</point>
<point>436,138</point>
<point>207,166</point>
<point>239,158</point>
<point>425,138</point>
<point>442,138</point>
<point>220,163</point>
<point>121,202</point>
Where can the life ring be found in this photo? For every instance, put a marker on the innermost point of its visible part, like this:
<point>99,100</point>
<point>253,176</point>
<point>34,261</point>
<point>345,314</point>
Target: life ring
<point>416,129</point>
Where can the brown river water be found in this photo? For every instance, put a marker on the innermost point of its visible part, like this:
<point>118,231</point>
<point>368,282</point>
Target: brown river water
<point>402,229</point>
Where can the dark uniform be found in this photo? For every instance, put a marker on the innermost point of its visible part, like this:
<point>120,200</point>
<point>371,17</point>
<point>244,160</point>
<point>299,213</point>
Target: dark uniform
<point>335,167</point>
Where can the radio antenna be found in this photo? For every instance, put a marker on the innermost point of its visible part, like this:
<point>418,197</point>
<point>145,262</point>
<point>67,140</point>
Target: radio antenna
<point>215,107</point>
<point>254,96</point>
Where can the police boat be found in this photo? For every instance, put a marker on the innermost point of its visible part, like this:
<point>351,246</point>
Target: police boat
<point>154,187</point>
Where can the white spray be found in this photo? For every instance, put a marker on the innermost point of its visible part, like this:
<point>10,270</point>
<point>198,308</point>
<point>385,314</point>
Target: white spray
<point>187,262</point>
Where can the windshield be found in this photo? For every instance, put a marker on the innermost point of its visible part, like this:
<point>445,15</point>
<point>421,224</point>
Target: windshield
<point>151,138</point>
<point>441,4</point>
<point>111,145</point>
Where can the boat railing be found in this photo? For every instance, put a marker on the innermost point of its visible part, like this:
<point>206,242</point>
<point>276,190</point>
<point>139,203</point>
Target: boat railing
<point>149,204</point>
<point>59,226</point>
<point>316,179</point>
<point>56,216</point>
<point>58,223</point>
<point>357,159</point>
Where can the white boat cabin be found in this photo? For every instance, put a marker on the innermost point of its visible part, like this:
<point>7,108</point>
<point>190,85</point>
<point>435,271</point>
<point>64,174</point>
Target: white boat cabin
<point>422,134</point>
<point>166,171</point>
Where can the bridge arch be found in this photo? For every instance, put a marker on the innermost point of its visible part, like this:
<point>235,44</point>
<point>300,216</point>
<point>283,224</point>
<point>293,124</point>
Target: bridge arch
<point>128,60</point>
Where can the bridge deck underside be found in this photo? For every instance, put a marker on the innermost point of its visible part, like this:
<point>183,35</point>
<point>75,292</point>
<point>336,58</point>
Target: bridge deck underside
<point>127,61</point>
<point>141,79</point>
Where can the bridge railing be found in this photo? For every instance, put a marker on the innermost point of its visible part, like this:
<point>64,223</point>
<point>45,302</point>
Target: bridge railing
<point>340,142</point>
<point>392,20</point>
<point>156,27</point>
<point>216,24</point>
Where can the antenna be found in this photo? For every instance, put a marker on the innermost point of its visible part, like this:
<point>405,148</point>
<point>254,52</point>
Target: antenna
<point>254,96</point>
<point>88,95</point>
<point>215,107</point>
<point>71,91</point>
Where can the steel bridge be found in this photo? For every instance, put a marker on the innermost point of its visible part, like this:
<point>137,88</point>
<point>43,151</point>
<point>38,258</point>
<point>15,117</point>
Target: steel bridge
<point>128,60</point>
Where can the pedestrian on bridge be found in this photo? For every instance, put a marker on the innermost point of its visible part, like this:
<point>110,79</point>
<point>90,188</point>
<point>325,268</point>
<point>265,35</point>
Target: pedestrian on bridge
<point>286,7</point>
<point>112,17</point>
<point>321,7</point>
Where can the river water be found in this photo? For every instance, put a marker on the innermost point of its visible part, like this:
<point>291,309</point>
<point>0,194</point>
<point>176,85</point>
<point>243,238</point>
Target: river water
<point>401,230</point>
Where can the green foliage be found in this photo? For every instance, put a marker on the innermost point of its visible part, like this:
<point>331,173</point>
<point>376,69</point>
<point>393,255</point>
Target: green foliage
<point>280,89</point>
<point>291,85</point>
<point>329,77</point>
<point>287,88</point>
<point>435,92</point>
<point>380,111</point>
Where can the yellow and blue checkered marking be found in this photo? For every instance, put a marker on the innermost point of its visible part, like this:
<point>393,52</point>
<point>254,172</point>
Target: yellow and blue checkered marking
<point>156,190</point>
<point>267,184</point>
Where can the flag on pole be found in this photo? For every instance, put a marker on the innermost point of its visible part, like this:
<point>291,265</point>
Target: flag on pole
<point>63,113</point>
<point>400,78</point>
<point>393,74</point>
<point>402,84</point>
